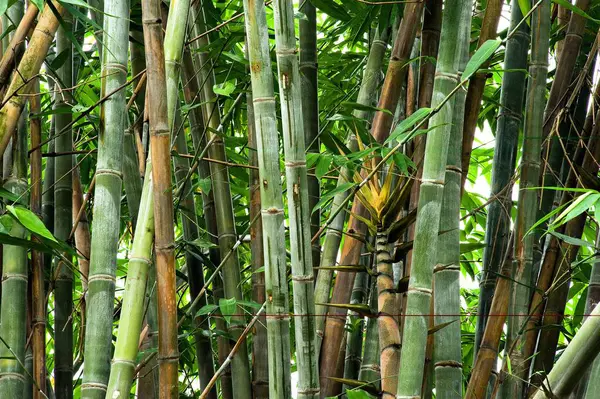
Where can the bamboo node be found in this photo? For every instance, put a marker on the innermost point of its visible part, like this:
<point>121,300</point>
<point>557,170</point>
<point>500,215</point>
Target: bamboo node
<point>109,172</point>
<point>426,291</point>
<point>114,65</point>
<point>448,363</point>
<point>300,279</point>
<point>309,391</point>
<point>101,277</point>
<point>12,376</point>
<point>263,100</point>
<point>295,164</point>
<point>140,259</point>
<point>18,276</point>
<point>94,385</point>
<point>273,211</point>
<point>169,359</point>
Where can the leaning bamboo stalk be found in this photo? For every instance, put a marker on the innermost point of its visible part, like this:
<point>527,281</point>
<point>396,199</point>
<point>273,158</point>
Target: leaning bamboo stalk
<point>107,204</point>
<point>37,258</point>
<point>310,109</point>
<point>333,236</point>
<point>397,70</point>
<point>489,26</point>
<point>297,197</point>
<point>63,189</point>
<point>18,38</point>
<point>454,38</point>
<point>224,209</point>
<point>575,359</point>
<point>271,200</point>
<point>520,293</point>
<point>30,64</point>
<point>160,150</point>
<point>447,350</point>
<point>13,321</point>
<point>503,166</point>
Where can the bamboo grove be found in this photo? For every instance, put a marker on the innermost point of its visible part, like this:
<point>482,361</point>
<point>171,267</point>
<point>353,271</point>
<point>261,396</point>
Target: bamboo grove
<point>252,199</point>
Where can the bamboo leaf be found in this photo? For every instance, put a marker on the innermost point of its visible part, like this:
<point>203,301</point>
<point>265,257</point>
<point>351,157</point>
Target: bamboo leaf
<point>331,8</point>
<point>400,226</point>
<point>403,285</point>
<point>525,6</point>
<point>361,309</point>
<point>356,269</point>
<point>357,394</point>
<point>225,88</point>
<point>364,385</point>
<point>330,194</point>
<point>482,54</point>
<point>466,247</point>
<point>571,240</point>
<point>206,309</point>
<point>30,221</point>
<point>228,308</point>
<point>569,6</point>
<point>438,327</point>
<point>576,208</point>
<point>363,107</point>
<point>404,126</point>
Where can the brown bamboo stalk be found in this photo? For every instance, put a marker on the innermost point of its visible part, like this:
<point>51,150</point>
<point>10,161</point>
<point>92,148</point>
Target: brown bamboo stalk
<point>29,67</point>
<point>168,355</point>
<point>397,71</point>
<point>37,258</point>
<point>489,26</point>
<point>7,63</point>
<point>82,231</point>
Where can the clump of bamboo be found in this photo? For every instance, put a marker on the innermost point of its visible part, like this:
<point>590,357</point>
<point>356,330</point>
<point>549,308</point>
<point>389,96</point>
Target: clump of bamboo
<point>520,293</point>
<point>107,203</point>
<point>271,200</point>
<point>456,19</point>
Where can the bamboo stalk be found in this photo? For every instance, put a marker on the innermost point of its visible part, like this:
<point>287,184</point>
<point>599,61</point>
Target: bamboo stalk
<point>37,258</point>
<point>17,40</point>
<point>356,324</point>
<point>369,367</point>
<point>271,200</point>
<point>503,166</point>
<point>310,109</point>
<point>447,350</point>
<point>260,361</point>
<point>30,64</point>
<point>13,322</point>
<point>63,189</point>
<point>107,204</point>
<point>168,355</point>
<point>520,292</point>
<point>297,198</point>
<point>454,35</point>
<point>489,26</point>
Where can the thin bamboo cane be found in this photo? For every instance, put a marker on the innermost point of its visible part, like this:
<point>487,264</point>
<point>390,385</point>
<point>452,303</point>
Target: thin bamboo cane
<point>168,355</point>
<point>271,200</point>
<point>310,109</point>
<point>454,35</point>
<point>520,292</point>
<point>30,64</point>
<point>503,166</point>
<point>63,189</point>
<point>37,258</point>
<point>489,26</point>
<point>297,197</point>
<point>260,361</point>
<point>82,232</point>
<point>356,324</point>
<point>224,209</point>
<point>369,367</point>
<point>13,323</point>
<point>107,204</point>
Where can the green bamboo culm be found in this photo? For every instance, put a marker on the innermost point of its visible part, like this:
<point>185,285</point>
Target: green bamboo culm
<point>240,366</point>
<point>456,19</point>
<point>510,119</point>
<point>447,350</point>
<point>310,109</point>
<point>520,293</point>
<point>107,203</point>
<point>132,310</point>
<point>13,327</point>
<point>356,323</point>
<point>297,198</point>
<point>367,96</point>
<point>271,200</point>
<point>63,197</point>
<point>369,366</point>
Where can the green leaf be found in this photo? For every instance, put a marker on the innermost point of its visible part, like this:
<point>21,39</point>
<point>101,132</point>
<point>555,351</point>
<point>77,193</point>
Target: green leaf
<point>417,117</point>
<point>331,8</point>
<point>225,88</point>
<point>202,243</point>
<point>205,185</point>
<point>525,6</point>
<point>330,194</point>
<point>250,304</point>
<point>363,107</point>
<point>482,54</point>
<point>466,247</point>
<point>323,166</point>
<point>571,240</point>
<point>357,394</point>
<point>206,309</point>
<point>576,208</point>
<point>228,308</point>
<point>30,221</point>
<point>38,3</point>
